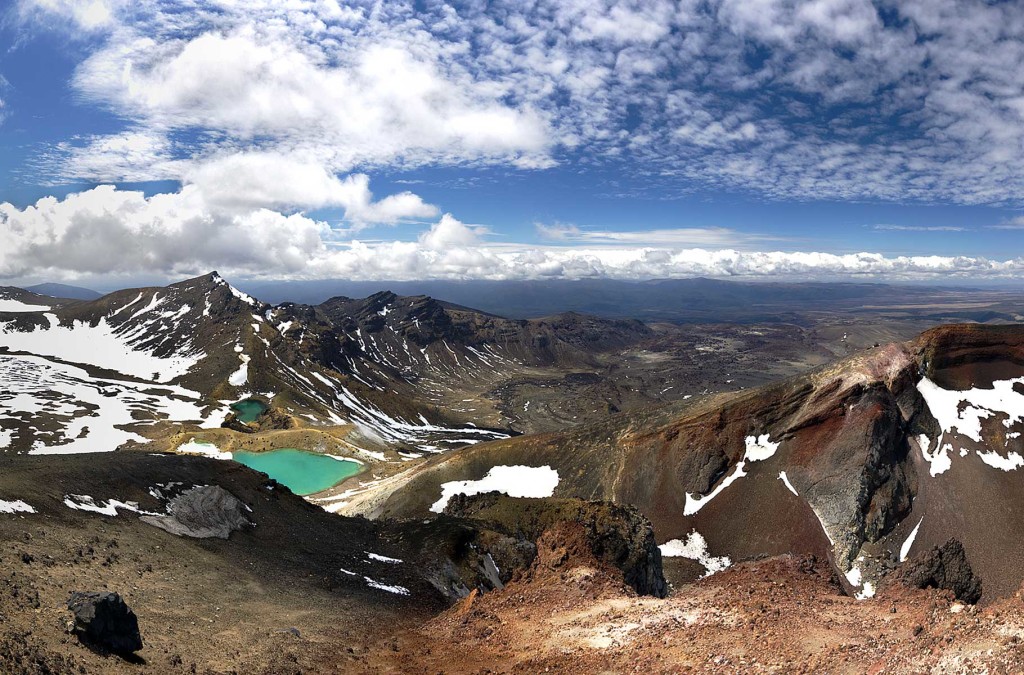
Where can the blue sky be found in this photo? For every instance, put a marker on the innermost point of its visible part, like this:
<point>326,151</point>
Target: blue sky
<point>757,139</point>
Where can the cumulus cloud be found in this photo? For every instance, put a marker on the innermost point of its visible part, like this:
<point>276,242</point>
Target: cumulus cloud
<point>110,231</point>
<point>106,230</point>
<point>449,232</point>
<point>275,181</point>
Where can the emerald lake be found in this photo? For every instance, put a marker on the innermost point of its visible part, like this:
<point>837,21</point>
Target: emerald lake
<point>249,409</point>
<point>303,472</point>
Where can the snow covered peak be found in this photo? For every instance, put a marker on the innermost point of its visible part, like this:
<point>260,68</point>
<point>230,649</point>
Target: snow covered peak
<point>244,297</point>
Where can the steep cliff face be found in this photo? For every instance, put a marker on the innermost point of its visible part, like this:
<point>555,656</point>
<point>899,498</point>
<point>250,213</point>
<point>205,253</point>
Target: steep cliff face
<point>864,461</point>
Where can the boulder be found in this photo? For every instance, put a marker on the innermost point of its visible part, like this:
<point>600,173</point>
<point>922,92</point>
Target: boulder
<point>203,512</point>
<point>104,621</point>
<point>944,567</point>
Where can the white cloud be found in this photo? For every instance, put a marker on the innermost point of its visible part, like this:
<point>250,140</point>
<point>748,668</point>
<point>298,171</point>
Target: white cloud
<point>275,181</point>
<point>4,84</point>
<point>135,154</point>
<point>919,228</point>
<point>683,236</point>
<point>1012,224</point>
<point>105,230</point>
<point>451,233</point>
<point>111,231</point>
<point>357,102</point>
<point>90,15</point>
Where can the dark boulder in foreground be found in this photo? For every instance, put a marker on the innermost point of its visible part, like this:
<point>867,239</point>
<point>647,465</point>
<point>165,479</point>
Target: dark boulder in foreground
<point>203,512</point>
<point>944,567</point>
<point>617,535</point>
<point>105,622</point>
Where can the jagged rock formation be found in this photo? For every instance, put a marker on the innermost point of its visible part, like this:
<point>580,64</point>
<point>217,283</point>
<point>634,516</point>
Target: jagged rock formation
<point>944,567</point>
<point>616,535</point>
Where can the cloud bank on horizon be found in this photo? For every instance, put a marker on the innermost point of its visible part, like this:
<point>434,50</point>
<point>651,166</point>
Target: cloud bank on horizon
<point>267,118</point>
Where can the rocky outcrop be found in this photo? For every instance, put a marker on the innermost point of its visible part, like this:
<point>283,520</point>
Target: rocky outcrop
<point>103,621</point>
<point>944,567</point>
<point>616,535</point>
<point>203,512</point>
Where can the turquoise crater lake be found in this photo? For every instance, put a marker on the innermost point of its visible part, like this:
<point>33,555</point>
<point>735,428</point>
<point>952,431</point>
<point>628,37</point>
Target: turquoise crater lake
<point>303,472</point>
<point>249,409</point>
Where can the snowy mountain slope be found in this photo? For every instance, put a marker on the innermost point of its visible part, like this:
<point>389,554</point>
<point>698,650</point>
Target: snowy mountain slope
<point>192,348</point>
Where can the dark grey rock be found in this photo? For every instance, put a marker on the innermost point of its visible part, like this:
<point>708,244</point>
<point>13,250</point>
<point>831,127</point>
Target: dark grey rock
<point>944,567</point>
<point>104,621</point>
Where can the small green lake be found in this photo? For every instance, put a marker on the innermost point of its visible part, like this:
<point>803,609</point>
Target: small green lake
<point>303,472</point>
<point>249,409</point>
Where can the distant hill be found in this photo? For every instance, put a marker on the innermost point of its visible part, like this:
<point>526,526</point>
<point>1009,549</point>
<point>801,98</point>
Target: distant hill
<point>677,300</point>
<point>64,291</point>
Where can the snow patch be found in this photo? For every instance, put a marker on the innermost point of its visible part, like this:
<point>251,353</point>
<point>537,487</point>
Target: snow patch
<point>905,549</point>
<point>785,479</point>
<point>977,404</point>
<point>16,506</point>
<point>856,579</point>
<point>240,377</point>
<point>938,460</point>
<point>397,590</point>
<point>247,299</point>
<point>108,508</point>
<point>695,547</point>
<point>18,306</point>
<point>695,504</point>
<point>194,447</point>
<point>758,449</point>
<point>515,481</point>
<point>92,413</point>
<point>382,558</point>
<point>867,591</point>
<point>1011,462</point>
<point>101,345</point>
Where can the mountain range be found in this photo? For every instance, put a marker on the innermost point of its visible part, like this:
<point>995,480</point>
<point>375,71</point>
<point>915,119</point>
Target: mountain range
<point>637,459</point>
